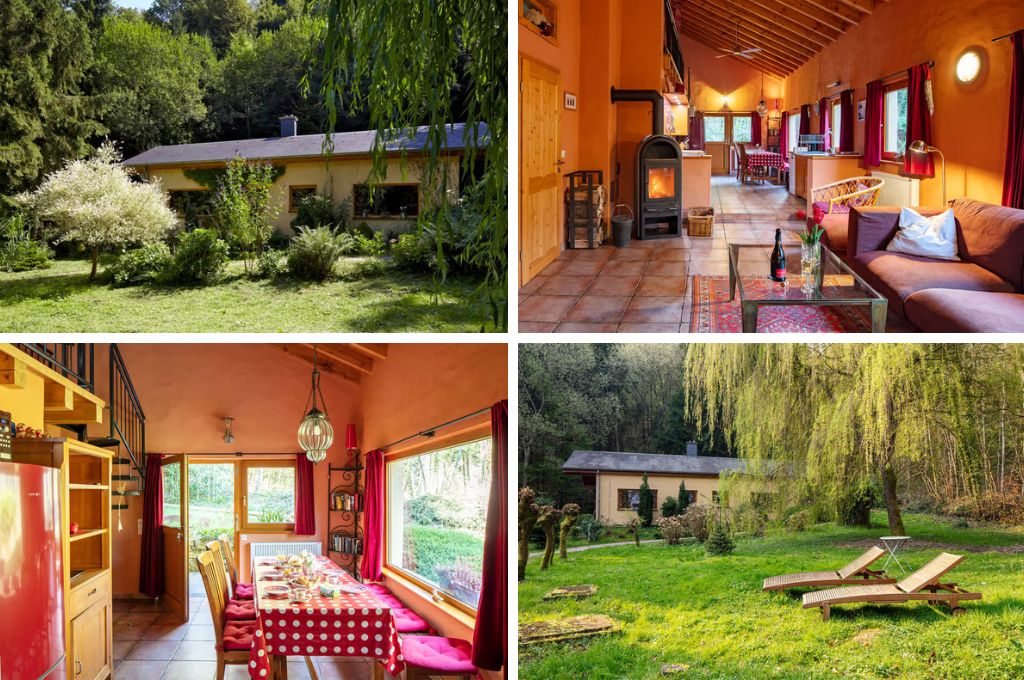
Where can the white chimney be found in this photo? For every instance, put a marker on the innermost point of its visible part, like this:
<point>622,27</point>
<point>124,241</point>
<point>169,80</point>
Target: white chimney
<point>289,126</point>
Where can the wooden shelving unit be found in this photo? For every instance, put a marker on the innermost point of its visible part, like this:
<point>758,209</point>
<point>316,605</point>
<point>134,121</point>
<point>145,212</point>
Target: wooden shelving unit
<point>344,511</point>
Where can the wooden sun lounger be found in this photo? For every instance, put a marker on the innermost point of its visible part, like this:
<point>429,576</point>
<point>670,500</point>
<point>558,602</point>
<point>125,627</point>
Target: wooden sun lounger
<point>854,572</point>
<point>923,584</point>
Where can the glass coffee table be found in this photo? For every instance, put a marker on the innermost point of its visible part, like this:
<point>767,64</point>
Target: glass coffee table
<point>836,284</point>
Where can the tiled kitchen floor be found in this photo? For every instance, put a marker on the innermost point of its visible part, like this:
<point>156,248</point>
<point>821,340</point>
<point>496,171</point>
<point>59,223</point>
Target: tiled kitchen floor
<point>151,644</point>
<point>647,288</point>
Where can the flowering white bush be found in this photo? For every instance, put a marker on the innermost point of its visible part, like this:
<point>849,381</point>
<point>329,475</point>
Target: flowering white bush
<point>95,202</point>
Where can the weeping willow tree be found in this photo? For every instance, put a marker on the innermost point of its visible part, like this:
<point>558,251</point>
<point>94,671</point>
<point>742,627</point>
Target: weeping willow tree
<point>824,418</point>
<point>403,61</point>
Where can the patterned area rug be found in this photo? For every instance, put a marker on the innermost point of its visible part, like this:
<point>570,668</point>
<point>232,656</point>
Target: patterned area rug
<point>714,313</point>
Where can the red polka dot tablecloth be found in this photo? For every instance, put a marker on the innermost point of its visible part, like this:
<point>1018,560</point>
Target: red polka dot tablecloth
<point>349,625</point>
<point>764,159</point>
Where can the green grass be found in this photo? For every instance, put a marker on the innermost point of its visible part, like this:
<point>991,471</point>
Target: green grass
<point>61,299</point>
<point>678,606</point>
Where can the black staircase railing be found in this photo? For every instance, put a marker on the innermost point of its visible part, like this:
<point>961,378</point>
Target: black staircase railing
<point>127,419</point>
<point>672,42</point>
<point>74,361</point>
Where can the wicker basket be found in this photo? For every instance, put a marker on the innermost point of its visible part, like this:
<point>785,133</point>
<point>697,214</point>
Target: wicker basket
<point>699,221</point>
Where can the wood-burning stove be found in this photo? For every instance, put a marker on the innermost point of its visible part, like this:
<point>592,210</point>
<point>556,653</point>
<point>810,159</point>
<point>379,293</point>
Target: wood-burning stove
<point>659,183</point>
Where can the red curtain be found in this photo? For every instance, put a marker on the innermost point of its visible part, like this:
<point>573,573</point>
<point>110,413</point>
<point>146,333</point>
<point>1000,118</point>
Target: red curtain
<point>490,637</point>
<point>1013,173</point>
<point>373,518</point>
<point>784,134</point>
<point>919,122</point>
<point>846,121</point>
<point>805,120</point>
<point>755,128</point>
<point>696,140</point>
<point>305,516</point>
<point>823,121</point>
<point>151,566</point>
<point>873,124</point>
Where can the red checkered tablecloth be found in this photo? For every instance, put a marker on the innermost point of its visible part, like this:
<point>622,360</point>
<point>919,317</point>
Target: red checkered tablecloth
<point>764,159</point>
<point>349,625</point>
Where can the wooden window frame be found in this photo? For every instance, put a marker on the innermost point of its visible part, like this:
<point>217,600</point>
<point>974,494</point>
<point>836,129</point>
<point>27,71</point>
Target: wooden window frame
<point>835,107</point>
<point>725,128</point>
<point>900,84</point>
<point>473,433</point>
<point>291,197</point>
<point>385,185</point>
<point>242,496</point>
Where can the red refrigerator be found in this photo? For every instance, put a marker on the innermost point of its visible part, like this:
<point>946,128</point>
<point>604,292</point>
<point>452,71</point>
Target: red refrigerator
<point>32,643</point>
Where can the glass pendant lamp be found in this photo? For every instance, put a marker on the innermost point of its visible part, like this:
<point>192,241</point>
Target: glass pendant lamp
<point>315,432</point>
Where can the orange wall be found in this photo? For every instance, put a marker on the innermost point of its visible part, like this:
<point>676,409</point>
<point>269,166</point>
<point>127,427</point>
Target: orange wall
<point>715,79</point>
<point>418,387</point>
<point>970,122</point>
<point>187,389</point>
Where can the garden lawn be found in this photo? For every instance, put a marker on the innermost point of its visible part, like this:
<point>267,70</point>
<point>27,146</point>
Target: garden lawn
<point>677,606</point>
<point>61,299</point>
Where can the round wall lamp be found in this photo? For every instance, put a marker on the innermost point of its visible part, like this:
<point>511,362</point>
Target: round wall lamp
<point>968,66</point>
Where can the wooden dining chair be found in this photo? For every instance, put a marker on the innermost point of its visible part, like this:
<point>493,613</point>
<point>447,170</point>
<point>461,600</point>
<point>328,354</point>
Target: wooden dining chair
<point>233,638</point>
<point>241,591</point>
<point>234,609</point>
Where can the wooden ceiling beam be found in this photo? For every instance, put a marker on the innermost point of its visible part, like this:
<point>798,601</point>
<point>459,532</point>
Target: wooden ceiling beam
<point>758,23</point>
<point>346,356</point>
<point>769,21</point>
<point>815,12</point>
<point>328,366</point>
<point>374,350</point>
<point>866,6</point>
<point>788,62</point>
<point>713,41</point>
<point>723,17</point>
<point>808,25</point>
<point>839,10</point>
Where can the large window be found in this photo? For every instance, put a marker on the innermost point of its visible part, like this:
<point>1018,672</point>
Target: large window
<point>894,124</point>
<point>436,510</point>
<point>714,128</point>
<point>268,495</point>
<point>837,123</point>
<point>742,129</point>
<point>629,499</point>
<point>386,201</point>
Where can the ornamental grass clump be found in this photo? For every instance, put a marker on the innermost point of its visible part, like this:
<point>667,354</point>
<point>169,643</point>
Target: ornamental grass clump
<point>94,202</point>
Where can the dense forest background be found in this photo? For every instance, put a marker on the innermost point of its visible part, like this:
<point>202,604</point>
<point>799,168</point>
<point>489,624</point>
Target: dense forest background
<point>602,397</point>
<point>76,72</point>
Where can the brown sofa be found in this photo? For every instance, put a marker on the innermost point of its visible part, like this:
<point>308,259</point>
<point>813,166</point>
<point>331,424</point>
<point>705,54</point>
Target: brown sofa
<point>983,293</point>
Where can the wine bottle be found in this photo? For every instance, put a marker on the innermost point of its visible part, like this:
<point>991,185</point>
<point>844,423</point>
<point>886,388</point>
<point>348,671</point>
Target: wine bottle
<point>778,260</point>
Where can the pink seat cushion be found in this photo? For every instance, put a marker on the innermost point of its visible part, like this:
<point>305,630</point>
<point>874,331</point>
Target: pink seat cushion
<point>408,621</point>
<point>240,610</point>
<point>238,635</point>
<point>438,654</point>
<point>245,591</point>
<point>377,589</point>
<point>835,209</point>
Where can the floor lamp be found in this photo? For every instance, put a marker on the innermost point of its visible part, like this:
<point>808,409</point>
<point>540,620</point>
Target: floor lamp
<point>922,148</point>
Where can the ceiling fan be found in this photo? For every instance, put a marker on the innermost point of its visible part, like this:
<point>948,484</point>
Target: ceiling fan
<point>736,51</point>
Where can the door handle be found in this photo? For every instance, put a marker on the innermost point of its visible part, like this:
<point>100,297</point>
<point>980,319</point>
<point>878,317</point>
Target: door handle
<point>179,537</point>
<point>78,667</point>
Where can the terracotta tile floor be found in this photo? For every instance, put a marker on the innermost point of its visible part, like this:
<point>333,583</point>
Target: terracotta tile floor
<point>647,288</point>
<point>150,644</point>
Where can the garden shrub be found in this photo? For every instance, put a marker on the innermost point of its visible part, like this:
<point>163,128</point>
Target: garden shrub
<point>854,508</point>
<point>414,252</point>
<point>268,264</point>
<point>799,520</point>
<point>669,507</point>
<point>141,265</point>
<point>313,253</point>
<point>200,257</point>
<point>672,529</point>
<point>719,543</point>
<point>242,207</point>
<point>373,246</point>
<point>19,252</point>
<point>749,519</point>
<point>589,527</point>
<point>318,210</point>
<point>695,519</point>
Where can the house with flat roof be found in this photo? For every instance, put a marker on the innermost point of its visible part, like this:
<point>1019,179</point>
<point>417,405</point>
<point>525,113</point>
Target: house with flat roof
<point>189,172</point>
<point>614,478</point>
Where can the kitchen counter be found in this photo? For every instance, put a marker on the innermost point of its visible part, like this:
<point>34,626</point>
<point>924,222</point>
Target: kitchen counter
<point>696,179</point>
<point>815,169</point>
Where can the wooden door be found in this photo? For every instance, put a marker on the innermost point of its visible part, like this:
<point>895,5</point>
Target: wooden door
<point>175,535</point>
<point>90,643</point>
<point>717,143</point>
<point>540,180</point>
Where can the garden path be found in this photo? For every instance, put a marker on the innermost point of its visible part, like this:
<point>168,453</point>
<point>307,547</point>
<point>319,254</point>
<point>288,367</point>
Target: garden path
<point>580,548</point>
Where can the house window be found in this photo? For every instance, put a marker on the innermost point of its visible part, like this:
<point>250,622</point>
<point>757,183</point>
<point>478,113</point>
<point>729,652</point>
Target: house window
<point>394,201</point>
<point>894,123</point>
<point>742,129</point>
<point>714,128</point>
<point>172,495</point>
<point>837,122</point>
<point>691,497</point>
<point>794,133</point>
<point>629,499</point>
<point>436,510</point>
<point>297,193</point>
<point>268,495</point>
<point>714,496</point>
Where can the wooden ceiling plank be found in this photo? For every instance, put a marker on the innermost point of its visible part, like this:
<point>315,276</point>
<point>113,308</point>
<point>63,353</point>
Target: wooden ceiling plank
<point>809,24</point>
<point>329,367</point>
<point>346,356</point>
<point>722,17</point>
<point>767,53</point>
<point>866,6</point>
<point>375,350</point>
<point>840,11</point>
<point>811,10</point>
<point>770,21</point>
<point>769,67</point>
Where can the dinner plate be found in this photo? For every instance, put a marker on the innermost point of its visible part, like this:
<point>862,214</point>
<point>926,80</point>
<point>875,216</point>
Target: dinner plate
<point>352,589</point>
<point>272,576</point>
<point>276,592</point>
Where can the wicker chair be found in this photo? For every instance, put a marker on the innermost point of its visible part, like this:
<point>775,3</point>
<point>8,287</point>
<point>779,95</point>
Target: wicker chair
<point>840,196</point>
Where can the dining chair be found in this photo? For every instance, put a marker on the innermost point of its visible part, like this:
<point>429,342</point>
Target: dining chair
<point>233,638</point>
<point>234,609</point>
<point>242,591</point>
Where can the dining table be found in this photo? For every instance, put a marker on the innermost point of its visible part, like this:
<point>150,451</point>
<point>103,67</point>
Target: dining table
<point>763,161</point>
<point>353,624</point>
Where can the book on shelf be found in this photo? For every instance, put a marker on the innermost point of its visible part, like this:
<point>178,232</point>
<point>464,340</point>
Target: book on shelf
<point>347,502</point>
<point>349,545</point>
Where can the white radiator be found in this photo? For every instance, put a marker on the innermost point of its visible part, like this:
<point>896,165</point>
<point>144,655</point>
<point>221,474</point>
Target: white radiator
<point>899,191</point>
<point>289,548</point>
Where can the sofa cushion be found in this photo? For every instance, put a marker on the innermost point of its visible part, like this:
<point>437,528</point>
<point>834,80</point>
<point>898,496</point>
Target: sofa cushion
<point>896,276</point>
<point>439,654</point>
<point>871,228</point>
<point>943,310</point>
<point>836,226</point>
<point>993,237</point>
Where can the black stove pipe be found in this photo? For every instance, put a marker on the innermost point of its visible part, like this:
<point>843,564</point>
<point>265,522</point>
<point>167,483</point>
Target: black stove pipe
<point>652,96</point>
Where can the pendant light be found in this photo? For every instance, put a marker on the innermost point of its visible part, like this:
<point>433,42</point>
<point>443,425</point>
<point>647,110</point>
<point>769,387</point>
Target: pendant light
<point>762,107</point>
<point>315,432</point>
